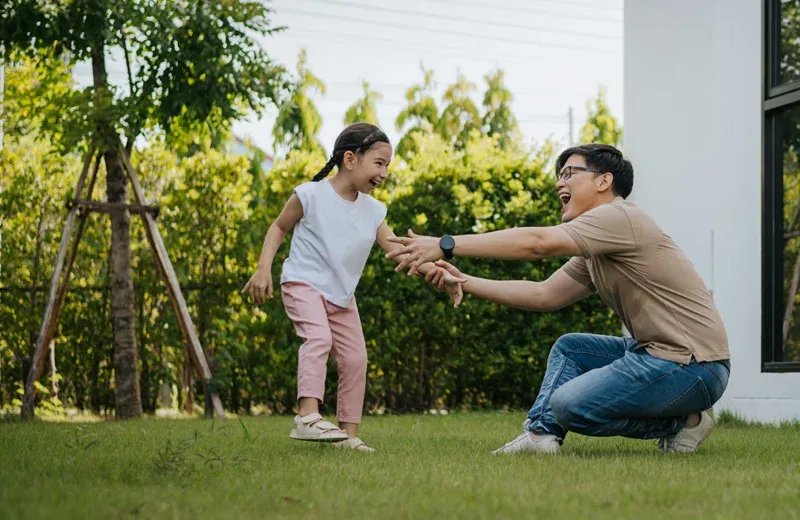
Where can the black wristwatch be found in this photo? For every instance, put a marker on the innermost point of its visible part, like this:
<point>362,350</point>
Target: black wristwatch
<point>447,243</point>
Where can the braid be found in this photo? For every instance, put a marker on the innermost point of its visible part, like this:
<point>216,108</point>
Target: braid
<point>326,169</point>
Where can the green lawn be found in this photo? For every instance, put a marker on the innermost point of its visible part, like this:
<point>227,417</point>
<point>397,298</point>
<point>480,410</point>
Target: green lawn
<point>426,467</point>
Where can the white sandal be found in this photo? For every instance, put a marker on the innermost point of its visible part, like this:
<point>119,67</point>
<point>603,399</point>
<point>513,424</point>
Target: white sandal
<point>314,428</point>
<point>354,443</point>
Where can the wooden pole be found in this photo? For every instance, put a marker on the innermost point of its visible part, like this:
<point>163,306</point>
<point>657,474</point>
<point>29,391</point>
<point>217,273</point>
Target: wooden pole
<point>56,296</point>
<point>62,290</point>
<point>173,288</point>
<point>108,207</point>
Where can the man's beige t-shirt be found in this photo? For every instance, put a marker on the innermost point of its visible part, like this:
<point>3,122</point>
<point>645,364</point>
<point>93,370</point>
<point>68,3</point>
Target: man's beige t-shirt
<point>648,281</point>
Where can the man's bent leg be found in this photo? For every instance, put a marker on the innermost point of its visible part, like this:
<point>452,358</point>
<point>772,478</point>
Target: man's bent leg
<point>571,356</point>
<point>639,396</point>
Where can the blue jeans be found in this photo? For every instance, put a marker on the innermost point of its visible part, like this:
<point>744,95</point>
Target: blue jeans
<point>606,386</point>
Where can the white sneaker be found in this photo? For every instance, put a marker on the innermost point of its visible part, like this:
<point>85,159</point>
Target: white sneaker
<point>531,443</point>
<point>354,443</point>
<point>313,427</point>
<point>688,440</point>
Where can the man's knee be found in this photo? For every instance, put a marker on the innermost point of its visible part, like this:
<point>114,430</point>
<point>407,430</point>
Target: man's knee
<point>565,344</point>
<point>568,410</point>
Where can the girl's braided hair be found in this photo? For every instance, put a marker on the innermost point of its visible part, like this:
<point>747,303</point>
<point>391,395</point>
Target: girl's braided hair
<point>356,138</point>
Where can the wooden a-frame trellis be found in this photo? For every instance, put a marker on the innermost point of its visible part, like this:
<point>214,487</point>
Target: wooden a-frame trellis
<point>79,209</point>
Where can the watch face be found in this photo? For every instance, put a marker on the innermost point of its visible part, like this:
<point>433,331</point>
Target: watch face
<point>447,242</point>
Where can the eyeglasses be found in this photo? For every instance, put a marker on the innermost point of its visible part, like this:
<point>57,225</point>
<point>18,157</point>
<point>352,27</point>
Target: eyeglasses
<point>568,171</point>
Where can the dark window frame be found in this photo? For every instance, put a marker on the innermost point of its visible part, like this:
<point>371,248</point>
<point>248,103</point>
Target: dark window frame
<point>776,99</point>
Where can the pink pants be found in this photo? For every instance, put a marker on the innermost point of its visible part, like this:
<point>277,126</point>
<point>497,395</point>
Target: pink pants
<point>326,327</point>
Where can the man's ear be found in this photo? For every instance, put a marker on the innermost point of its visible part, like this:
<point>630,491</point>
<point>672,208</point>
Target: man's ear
<point>604,182</point>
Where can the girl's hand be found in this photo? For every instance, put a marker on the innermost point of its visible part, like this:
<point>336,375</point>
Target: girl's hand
<point>259,284</point>
<point>446,277</point>
<point>419,248</point>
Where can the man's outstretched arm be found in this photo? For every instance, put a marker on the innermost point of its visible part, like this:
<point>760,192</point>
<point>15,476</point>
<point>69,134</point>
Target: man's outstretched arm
<point>554,293</point>
<point>526,243</point>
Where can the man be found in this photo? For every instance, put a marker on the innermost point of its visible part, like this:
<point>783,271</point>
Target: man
<point>655,385</point>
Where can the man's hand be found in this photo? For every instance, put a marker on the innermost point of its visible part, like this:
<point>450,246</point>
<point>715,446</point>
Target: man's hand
<point>259,284</point>
<point>446,277</point>
<point>419,248</point>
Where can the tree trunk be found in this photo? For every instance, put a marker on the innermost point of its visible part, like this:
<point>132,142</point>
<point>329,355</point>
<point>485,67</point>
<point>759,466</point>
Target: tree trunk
<point>126,365</point>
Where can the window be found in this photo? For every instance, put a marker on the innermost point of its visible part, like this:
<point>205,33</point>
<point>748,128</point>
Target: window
<point>781,196</point>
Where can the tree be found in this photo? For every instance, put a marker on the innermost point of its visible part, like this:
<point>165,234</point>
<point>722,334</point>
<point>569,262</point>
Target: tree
<point>421,115</point>
<point>460,115</point>
<point>601,126</point>
<point>298,121</point>
<point>184,61</point>
<point>363,110</point>
<point>498,119</point>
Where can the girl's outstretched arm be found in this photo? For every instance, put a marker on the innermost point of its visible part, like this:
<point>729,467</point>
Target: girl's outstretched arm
<point>261,282</point>
<point>386,238</point>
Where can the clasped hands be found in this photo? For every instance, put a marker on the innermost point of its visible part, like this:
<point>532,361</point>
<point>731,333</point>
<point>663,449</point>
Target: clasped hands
<point>420,249</point>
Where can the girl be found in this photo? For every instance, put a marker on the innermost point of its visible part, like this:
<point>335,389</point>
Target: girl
<point>335,223</point>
